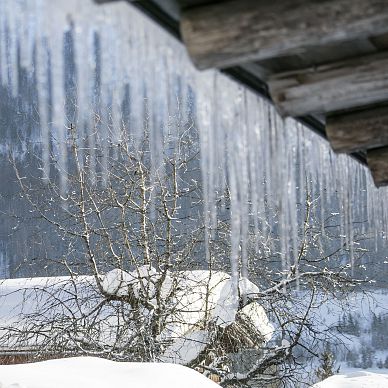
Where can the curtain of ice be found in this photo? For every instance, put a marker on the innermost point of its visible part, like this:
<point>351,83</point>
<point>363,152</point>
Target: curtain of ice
<point>265,164</point>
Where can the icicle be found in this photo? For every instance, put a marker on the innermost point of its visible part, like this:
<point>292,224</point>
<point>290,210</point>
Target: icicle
<point>3,55</point>
<point>58,97</point>
<point>43,105</point>
<point>204,84</point>
<point>267,166</point>
<point>13,24</point>
<point>81,52</point>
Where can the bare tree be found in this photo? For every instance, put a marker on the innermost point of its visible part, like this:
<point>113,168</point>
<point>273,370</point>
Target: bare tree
<point>137,286</point>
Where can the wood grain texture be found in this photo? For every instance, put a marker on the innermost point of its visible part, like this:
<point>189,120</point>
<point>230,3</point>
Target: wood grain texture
<point>359,130</point>
<point>378,165</point>
<point>316,56</point>
<point>233,32</point>
<point>338,86</point>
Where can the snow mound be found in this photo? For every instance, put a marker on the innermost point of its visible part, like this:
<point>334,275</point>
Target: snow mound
<point>141,282</point>
<point>117,282</point>
<point>193,301</point>
<point>186,348</point>
<point>258,317</point>
<point>359,379</point>
<point>91,372</point>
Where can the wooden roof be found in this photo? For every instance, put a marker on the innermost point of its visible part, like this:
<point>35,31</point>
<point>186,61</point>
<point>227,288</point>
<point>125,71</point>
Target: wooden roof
<point>323,62</point>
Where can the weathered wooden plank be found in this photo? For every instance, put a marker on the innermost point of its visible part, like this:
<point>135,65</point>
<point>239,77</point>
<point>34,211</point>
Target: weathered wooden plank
<point>357,131</point>
<point>319,55</point>
<point>338,86</point>
<point>104,1</point>
<point>192,3</point>
<point>233,32</point>
<point>380,41</point>
<point>378,165</point>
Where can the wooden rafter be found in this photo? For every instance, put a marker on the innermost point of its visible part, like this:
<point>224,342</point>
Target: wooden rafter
<point>230,33</point>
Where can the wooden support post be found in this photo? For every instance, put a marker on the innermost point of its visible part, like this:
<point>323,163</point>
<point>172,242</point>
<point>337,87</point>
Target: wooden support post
<point>342,85</point>
<point>358,131</point>
<point>378,164</point>
<point>229,33</point>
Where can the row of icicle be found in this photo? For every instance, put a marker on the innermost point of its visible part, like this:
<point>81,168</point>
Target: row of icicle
<point>268,163</point>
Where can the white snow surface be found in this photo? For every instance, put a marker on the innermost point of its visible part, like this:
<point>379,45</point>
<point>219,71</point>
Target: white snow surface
<point>92,372</point>
<point>142,281</point>
<point>358,379</point>
<point>186,348</point>
<point>196,291</point>
<point>257,315</point>
<point>363,307</point>
<point>199,297</point>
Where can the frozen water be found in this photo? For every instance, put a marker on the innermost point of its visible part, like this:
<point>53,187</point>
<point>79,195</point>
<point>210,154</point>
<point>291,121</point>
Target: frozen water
<point>124,63</point>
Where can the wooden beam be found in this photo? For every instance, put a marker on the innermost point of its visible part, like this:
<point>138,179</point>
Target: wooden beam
<point>353,83</point>
<point>366,129</point>
<point>229,33</point>
<point>104,1</point>
<point>378,164</point>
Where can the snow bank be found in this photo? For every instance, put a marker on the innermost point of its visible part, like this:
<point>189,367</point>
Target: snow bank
<point>257,315</point>
<point>191,300</point>
<point>28,295</point>
<point>199,294</point>
<point>141,282</point>
<point>91,372</point>
<point>359,379</point>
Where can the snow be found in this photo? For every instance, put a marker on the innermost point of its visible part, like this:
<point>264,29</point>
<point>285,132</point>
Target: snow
<point>91,372</point>
<point>362,307</point>
<point>27,295</point>
<point>247,287</point>
<point>255,312</point>
<point>186,348</point>
<point>116,282</point>
<point>142,280</point>
<point>200,297</point>
<point>196,291</point>
<point>359,379</point>
<point>35,297</point>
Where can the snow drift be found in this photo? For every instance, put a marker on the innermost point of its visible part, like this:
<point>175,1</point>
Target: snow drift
<point>359,379</point>
<point>91,372</point>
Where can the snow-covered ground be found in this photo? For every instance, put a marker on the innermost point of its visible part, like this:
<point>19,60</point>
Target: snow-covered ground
<point>357,379</point>
<point>190,297</point>
<point>361,304</point>
<point>359,324</point>
<point>91,372</point>
<point>359,343</point>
